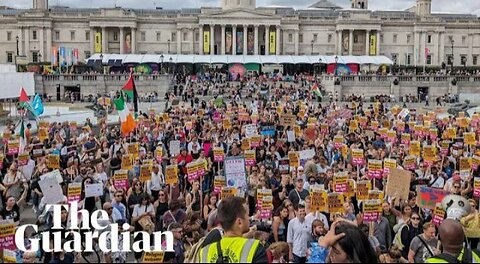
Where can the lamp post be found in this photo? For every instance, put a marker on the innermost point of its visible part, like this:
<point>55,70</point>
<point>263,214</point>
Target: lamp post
<point>18,53</point>
<point>336,65</point>
<point>168,42</point>
<point>320,65</point>
<point>313,41</point>
<point>452,41</point>
<point>171,61</point>
<point>161,63</point>
<point>101,61</point>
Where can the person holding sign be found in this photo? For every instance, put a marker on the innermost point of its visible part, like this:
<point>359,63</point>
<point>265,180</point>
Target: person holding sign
<point>471,224</point>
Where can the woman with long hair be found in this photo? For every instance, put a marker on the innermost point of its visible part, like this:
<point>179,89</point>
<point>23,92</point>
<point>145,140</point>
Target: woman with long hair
<point>280,225</point>
<point>142,217</point>
<point>134,195</point>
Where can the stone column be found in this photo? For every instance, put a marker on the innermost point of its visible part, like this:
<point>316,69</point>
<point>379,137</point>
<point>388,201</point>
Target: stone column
<point>350,43</point>
<point>416,48</point>
<point>470,50</point>
<point>212,39</point>
<point>437,50</point>
<point>378,44</point>
<point>42,44</point>
<point>134,40</point>
<point>179,41</point>
<point>441,52</point>
<point>104,40</point>
<point>27,42</point>
<point>92,40</point>
<point>245,38</point>
<point>367,43</point>
<point>423,59</point>
<point>122,40</point>
<point>255,27</point>
<point>192,44</point>
<point>277,46</point>
<point>267,40</point>
<point>49,44</point>
<point>234,40</point>
<point>21,50</point>
<point>223,40</point>
<point>200,40</point>
<point>296,41</point>
<point>339,42</point>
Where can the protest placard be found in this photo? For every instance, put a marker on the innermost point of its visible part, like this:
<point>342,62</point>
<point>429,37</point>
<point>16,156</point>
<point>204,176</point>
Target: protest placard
<point>410,162</point>
<point>268,131</point>
<point>53,161</point>
<point>145,173</point>
<point>475,162</point>
<point>294,159</point>
<point>74,192</point>
<point>133,148</point>
<point>350,188</point>
<point>375,195</point>
<point>388,164</point>
<point>476,187</point>
<point>429,153</point>
<point>372,210</point>
<point>438,215</point>
<point>363,187</point>
<point>23,158</point>
<point>340,182</point>
<point>227,124</point>
<point>218,183</point>
<point>153,257</point>
<point>335,203</point>
<point>120,179</point>
<point>7,234</point>
<point>392,136</point>
<point>357,157</point>
<point>250,130</point>
<point>192,172</point>
<point>375,169</point>
<point>414,149</point>
<point>13,147</point>
<point>93,190</point>
<point>398,184</point>
<point>318,200</point>
<point>52,192</point>
<point>171,174</point>
<point>42,134</point>
<point>245,144</point>
<point>235,173</point>
<point>159,154</point>
<point>228,192</point>
<point>353,125</point>
<point>338,141</point>
<point>465,163</point>
<point>291,136</point>
<point>288,120</point>
<point>451,132</point>
<point>405,139</point>
<point>250,159</point>
<point>218,155</point>
<point>127,162</point>
<point>428,197</point>
<point>174,148</point>
<point>9,256</point>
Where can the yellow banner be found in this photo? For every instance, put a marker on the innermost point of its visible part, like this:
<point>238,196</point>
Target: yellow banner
<point>206,42</point>
<point>373,45</point>
<point>98,42</point>
<point>273,42</point>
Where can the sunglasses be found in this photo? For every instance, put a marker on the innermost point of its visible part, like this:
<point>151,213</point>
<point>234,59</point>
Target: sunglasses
<point>109,208</point>
<point>288,205</point>
<point>456,187</point>
<point>415,218</point>
<point>121,196</point>
<point>162,194</point>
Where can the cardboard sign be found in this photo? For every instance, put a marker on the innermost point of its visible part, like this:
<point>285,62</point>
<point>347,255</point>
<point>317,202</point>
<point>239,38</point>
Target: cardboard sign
<point>429,197</point>
<point>153,257</point>
<point>127,162</point>
<point>23,158</point>
<point>294,159</point>
<point>363,187</point>
<point>120,179</point>
<point>288,120</point>
<point>357,157</point>
<point>13,147</point>
<point>398,184</point>
<point>7,235</point>
<point>340,182</point>
<point>372,209</point>
<point>93,190</point>
<point>74,192</point>
<point>375,169</point>
<point>53,161</point>
<point>335,203</point>
<point>414,149</point>
<point>171,174</point>
<point>218,183</point>
<point>218,155</point>
<point>145,173</point>
<point>250,159</point>
<point>438,215</point>
<point>318,200</point>
<point>228,192</point>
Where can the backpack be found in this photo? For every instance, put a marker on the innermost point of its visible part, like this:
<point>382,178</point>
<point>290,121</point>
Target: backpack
<point>397,240</point>
<point>191,256</point>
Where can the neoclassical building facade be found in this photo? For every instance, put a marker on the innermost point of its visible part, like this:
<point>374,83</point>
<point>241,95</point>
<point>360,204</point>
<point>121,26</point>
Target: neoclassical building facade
<point>238,27</point>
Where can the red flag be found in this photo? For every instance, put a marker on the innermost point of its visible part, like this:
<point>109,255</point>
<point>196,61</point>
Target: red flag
<point>23,96</point>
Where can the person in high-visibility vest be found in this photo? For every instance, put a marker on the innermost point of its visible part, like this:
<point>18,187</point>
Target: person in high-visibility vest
<point>452,236</point>
<point>232,247</point>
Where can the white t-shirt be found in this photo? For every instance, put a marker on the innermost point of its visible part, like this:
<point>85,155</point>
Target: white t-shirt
<point>140,209</point>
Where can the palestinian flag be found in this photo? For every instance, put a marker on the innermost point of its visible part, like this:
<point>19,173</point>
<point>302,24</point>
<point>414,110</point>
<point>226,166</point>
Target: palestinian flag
<point>23,99</point>
<point>126,118</point>
<point>315,90</point>
<point>131,91</point>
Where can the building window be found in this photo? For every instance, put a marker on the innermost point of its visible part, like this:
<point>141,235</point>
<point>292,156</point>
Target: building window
<point>409,39</point>
<point>197,35</point>
<point>409,59</point>
<point>35,56</point>
<point>300,38</point>
<point>87,54</point>
<point>355,39</point>
<point>159,36</point>
<point>429,59</point>
<point>87,35</point>
<point>57,35</point>
<point>290,38</point>
<point>185,36</point>
<point>174,36</point>
<point>450,59</point>
<point>464,40</point>
<point>9,57</point>
<point>143,36</point>
<point>9,36</point>
<point>115,36</point>
<point>330,38</point>
<point>463,58</point>
<point>72,35</point>
<point>315,37</point>
<point>429,39</point>
<point>395,36</point>
<point>34,35</point>
<point>475,60</point>
<point>381,39</point>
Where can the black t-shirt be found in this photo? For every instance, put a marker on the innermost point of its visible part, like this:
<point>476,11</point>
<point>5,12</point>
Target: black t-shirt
<point>13,214</point>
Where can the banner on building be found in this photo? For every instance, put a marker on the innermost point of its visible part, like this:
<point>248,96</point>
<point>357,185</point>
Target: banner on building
<point>98,42</point>
<point>239,42</point>
<point>250,42</point>
<point>273,42</point>
<point>62,56</point>
<point>228,42</point>
<point>373,45</point>
<point>69,56</point>
<point>345,43</point>
<point>206,42</point>
<point>75,56</point>
<point>54,59</point>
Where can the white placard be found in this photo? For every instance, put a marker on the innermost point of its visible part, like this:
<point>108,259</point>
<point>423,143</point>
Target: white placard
<point>53,174</point>
<point>307,154</point>
<point>174,147</point>
<point>291,136</point>
<point>93,190</point>
<point>250,131</point>
<point>235,173</point>
<point>52,192</point>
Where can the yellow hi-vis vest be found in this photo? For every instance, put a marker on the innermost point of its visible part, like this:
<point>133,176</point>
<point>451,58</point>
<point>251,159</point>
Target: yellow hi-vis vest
<point>475,259</point>
<point>236,249</point>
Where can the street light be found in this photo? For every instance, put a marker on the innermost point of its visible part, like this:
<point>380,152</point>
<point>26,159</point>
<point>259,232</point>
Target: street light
<point>313,41</point>
<point>171,61</point>
<point>161,63</point>
<point>452,41</point>
<point>336,65</point>
<point>168,42</point>
<point>16,57</point>
<point>320,65</point>
<point>101,61</point>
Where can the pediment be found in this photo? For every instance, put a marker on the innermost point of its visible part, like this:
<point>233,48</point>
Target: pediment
<point>241,13</point>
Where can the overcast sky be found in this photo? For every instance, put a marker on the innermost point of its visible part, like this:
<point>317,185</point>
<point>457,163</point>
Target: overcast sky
<point>448,6</point>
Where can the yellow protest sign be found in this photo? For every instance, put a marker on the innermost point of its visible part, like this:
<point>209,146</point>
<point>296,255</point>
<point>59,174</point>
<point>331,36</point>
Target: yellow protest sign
<point>53,161</point>
<point>340,182</point>
<point>375,195</point>
<point>357,157</point>
<point>153,257</point>
<point>13,147</point>
<point>227,124</point>
<point>451,132</point>
<point>371,210</point>
<point>353,125</point>
<point>294,159</point>
<point>228,192</point>
<point>389,164</point>
<point>469,138</point>
<point>350,188</point>
<point>335,203</point>
<point>344,151</point>
<point>318,200</point>
<point>465,163</point>
<point>414,149</point>
<point>23,158</point>
<point>127,162</point>
<point>133,149</point>
<point>246,144</point>
<point>171,174</point>
<point>42,133</point>
<point>145,173</point>
<point>429,153</point>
